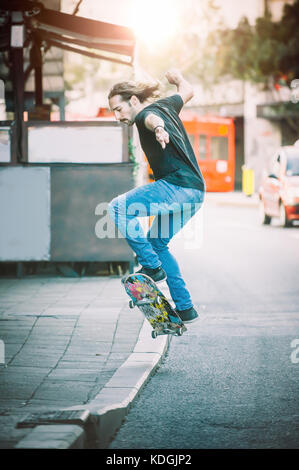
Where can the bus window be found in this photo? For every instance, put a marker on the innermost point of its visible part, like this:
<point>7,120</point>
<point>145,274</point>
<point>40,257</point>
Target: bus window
<point>202,147</point>
<point>219,148</point>
<point>191,138</point>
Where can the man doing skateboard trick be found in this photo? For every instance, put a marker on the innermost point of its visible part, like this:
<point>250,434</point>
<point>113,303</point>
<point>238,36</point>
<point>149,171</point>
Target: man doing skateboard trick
<point>178,190</point>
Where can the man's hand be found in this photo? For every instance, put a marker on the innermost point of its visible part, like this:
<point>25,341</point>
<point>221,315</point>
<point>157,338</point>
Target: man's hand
<point>156,124</point>
<point>174,76</point>
<point>184,88</point>
<point>162,136</point>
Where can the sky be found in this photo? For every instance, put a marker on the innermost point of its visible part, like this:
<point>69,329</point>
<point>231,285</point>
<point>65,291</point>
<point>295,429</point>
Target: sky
<point>111,11</point>
<point>122,11</point>
<point>152,21</point>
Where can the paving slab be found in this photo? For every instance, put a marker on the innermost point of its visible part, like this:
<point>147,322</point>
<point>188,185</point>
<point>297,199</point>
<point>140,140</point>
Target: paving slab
<point>71,344</point>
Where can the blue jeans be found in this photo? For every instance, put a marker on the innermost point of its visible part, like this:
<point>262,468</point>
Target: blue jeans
<point>173,206</point>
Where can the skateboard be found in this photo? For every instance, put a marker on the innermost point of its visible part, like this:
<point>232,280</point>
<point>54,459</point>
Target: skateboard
<point>153,304</point>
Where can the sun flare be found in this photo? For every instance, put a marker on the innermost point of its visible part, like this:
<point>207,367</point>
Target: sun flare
<point>155,22</point>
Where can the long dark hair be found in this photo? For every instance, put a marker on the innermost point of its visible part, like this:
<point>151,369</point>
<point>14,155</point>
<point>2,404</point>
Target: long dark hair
<point>142,90</point>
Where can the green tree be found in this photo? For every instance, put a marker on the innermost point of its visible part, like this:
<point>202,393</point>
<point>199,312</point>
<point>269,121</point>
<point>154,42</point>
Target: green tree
<point>261,53</point>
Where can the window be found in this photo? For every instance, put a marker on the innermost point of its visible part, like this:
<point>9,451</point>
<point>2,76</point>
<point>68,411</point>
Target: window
<point>192,139</point>
<point>4,144</point>
<point>219,148</point>
<point>63,142</point>
<point>202,147</point>
<point>293,166</point>
<point>276,166</point>
<point>4,130</point>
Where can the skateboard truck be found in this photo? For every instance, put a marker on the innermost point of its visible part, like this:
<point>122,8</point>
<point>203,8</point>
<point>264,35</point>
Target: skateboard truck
<point>139,303</point>
<point>166,331</point>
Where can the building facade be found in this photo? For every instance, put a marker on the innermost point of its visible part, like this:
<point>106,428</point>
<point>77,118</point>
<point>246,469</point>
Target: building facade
<point>264,120</point>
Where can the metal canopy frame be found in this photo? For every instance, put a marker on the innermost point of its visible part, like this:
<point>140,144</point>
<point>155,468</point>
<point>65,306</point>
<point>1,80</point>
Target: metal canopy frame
<point>68,29</point>
<point>45,28</point>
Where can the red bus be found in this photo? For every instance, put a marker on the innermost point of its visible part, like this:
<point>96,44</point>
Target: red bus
<point>213,141</point>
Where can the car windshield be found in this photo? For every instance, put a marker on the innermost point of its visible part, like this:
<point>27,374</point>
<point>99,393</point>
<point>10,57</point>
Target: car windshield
<point>293,163</point>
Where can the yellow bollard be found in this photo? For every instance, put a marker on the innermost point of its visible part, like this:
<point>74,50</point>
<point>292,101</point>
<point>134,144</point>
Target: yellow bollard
<point>247,181</point>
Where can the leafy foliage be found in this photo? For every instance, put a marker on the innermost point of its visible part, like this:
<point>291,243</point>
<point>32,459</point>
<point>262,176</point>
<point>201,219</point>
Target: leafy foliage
<point>261,53</point>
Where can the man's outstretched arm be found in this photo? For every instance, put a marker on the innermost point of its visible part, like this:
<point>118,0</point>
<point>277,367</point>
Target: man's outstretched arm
<point>184,88</point>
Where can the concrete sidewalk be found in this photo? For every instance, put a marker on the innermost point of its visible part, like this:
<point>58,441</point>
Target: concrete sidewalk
<point>76,357</point>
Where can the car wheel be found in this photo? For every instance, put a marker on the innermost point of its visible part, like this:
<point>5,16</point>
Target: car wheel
<point>264,218</point>
<point>283,218</point>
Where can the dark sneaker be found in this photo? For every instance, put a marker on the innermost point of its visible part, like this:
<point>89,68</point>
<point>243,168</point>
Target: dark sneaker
<point>157,274</point>
<point>189,315</point>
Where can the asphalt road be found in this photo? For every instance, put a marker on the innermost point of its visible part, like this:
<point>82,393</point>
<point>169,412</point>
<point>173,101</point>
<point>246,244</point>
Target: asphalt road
<point>232,380</point>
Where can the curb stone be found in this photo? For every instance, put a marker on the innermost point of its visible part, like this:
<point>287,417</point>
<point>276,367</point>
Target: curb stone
<point>109,408</point>
<point>54,436</point>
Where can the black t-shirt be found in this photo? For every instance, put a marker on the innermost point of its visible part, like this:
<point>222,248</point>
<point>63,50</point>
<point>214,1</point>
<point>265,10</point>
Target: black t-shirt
<point>176,163</point>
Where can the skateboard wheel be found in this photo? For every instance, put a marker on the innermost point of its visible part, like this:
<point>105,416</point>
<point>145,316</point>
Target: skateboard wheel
<point>131,304</point>
<point>154,334</point>
<point>180,332</point>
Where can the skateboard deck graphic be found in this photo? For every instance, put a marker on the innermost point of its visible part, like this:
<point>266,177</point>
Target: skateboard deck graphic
<point>153,304</point>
